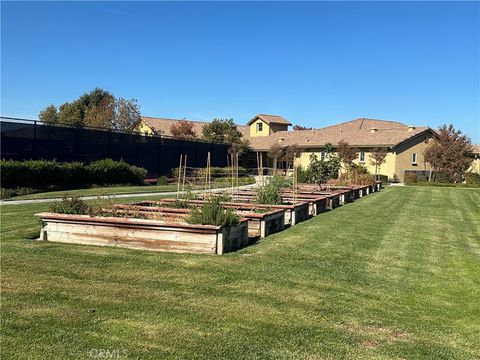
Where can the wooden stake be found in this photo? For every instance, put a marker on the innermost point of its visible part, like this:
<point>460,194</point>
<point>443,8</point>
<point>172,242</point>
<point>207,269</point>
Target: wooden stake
<point>209,172</point>
<point>237,172</point>
<point>184,173</point>
<point>179,174</point>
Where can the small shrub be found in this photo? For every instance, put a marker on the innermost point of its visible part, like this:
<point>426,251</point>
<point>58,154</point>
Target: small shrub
<point>108,171</point>
<point>271,193</point>
<point>101,206</point>
<point>422,178</point>
<point>179,204</point>
<point>383,178</point>
<point>162,180</point>
<point>218,172</point>
<point>8,193</point>
<point>139,174</point>
<point>357,176</point>
<point>472,178</point>
<point>395,179</point>
<point>211,212</point>
<point>72,205</point>
<point>441,178</point>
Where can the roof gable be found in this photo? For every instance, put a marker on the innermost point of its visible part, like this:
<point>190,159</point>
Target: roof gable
<point>270,119</point>
<point>358,132</point>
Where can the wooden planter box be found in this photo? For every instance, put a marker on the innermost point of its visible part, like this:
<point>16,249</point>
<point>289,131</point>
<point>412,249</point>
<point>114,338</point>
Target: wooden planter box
<point>259,224</point>
<point>317,203</point>
<point>293,214</point>
<point>143,234</point>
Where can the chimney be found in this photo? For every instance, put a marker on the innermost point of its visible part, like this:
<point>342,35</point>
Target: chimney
<point>372,130</point>
<point>411,128</point>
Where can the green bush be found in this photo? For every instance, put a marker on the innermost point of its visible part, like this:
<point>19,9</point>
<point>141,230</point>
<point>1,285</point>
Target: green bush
<point>319,170</point>
<point>441,178</point>
<point>215,172</point>
<point>271,193</point>
<point>472,178</point>
<point>108,171</point>
<point>8,193</point>
<point>42,174</point>
<point>213,213</point>
<point>383,178</point>
<point>162,180</point>
<point>70,205</point>
<point>422,178</point>
<point>355,175</point>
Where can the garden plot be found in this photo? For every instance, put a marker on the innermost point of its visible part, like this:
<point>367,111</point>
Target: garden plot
<point>294,212</point>
<point>262,221</point>
<point>319,201</point>
<point>172,234</point>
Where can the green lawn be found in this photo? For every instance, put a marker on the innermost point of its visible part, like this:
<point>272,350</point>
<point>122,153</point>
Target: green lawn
<point>395,275</point>
<point>118,190</point>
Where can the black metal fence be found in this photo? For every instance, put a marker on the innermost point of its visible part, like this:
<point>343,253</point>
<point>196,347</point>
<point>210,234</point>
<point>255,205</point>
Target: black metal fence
<point>29,139</point>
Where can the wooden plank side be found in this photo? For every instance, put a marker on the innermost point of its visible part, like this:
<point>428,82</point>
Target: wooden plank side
<point>109,231</point>
<point>133,243</point>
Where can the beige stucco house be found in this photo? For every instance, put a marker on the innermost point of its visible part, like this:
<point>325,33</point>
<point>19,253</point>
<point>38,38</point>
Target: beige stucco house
<point>405,143</point>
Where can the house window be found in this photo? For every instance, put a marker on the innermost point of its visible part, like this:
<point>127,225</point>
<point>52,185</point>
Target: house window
<point>361,156</point>
<point>322,155</point>
<point>259,127</point>
<point>414,159</point>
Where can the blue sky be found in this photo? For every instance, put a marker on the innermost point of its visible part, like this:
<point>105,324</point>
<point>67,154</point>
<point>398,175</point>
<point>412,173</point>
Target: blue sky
<point>315,63</point>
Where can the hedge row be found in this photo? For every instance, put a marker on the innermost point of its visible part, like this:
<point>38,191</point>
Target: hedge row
<point>41,174</point>
<point>215,172</point>
<point>441,178</point>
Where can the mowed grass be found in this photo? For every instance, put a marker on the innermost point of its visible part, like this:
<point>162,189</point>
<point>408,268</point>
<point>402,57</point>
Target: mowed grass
<point>128,189</point>
<point>395,275</point>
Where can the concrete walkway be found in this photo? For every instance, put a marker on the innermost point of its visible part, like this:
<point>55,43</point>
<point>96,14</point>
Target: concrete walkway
<point>119,196</point>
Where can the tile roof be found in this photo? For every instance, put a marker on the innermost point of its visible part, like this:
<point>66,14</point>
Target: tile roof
<point>270,119</point>
<point>162,126</point>
<point>359,132</point>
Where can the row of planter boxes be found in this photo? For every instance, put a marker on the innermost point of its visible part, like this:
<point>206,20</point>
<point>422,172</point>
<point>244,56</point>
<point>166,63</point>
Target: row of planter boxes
<point>159,227</point>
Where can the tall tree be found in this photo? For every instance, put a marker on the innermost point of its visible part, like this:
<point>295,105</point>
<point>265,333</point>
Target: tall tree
<point>70,114</point>
<point>291,153</point>
<point>346,153</point>
<point>450,154</point>
<point>96,108</point>
<point>183,129</point>
<point>49,115</point>
<point>377,157</point>
<point>275,152</point>
<point>127,115</point>
<point>225,131</point>
<point>100,115</point>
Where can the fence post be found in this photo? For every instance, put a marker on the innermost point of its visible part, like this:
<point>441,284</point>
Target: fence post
<point>109,144</point>
<point>159,154</point>
<point>35,140</point>
<point>136,150</point>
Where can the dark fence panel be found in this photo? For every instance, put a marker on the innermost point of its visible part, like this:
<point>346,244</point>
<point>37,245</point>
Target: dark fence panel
<point>23,140</point>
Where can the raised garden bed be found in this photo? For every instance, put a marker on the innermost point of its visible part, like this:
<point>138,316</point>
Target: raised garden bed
<point>317,202</point>
<point>293,213</point>
<point>261,223</point>
<point>144,234</point>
